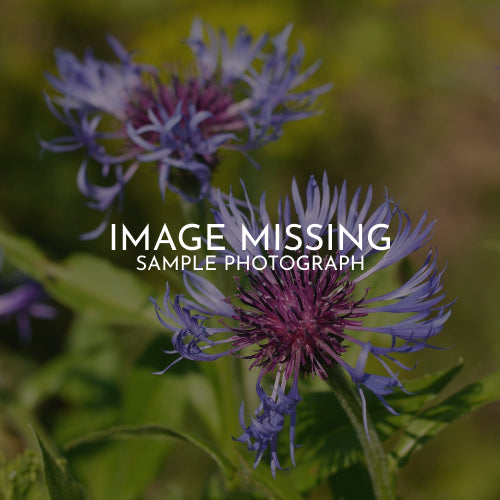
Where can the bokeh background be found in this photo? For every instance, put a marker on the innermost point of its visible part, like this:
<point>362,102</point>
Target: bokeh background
<point>415,109</point>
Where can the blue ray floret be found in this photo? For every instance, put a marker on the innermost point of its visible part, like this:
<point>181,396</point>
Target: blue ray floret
<point>301,320</point>
<point>125,114</point>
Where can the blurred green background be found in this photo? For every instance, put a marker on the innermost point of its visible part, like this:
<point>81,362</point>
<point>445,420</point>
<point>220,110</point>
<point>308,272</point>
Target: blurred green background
<point>415,109</point>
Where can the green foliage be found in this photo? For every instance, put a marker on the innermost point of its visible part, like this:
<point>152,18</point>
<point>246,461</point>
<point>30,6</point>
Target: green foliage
<point>85,283</point>
<point>21,477</point>
<point>153,431</point>
<point>60,485</point>
<point>329,443</point>
<point>238,472</point>
<point>434,419</point>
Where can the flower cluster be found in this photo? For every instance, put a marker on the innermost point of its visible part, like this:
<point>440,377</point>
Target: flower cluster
<point>125,114</point>
<point>302,321</point>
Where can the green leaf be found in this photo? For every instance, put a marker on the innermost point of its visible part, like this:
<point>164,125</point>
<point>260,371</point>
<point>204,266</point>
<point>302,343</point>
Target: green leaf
<point>422,391</point>
<point>60,485</point>
<point>86,283</point>
<point>154,431</point>
<point>259,479</point>
<point>436,418</point>
<point>90,284</point>
<point>138,398</point>
<point>24,254</point>
<point>85,374</point>
<point>329,443</point>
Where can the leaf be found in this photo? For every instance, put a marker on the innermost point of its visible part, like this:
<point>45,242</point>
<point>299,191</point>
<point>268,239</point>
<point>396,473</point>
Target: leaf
<point>422,391</point>
<point>154,431</point>
<point>436,418</point>
<point>259,479</point>
<point>328,441</point>
<point>85,374</point>
<point>86,283</point>
<point>24,254</point>
<point>109,470</point>
<point>60,485</point>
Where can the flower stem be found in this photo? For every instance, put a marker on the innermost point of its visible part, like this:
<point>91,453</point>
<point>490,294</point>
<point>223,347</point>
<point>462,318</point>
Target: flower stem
<point>374,454</point>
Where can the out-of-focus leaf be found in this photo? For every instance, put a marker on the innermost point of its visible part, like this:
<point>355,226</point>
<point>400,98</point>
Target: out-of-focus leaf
<point>88,283</point>
<point>25,255</point>
<point>154,431</point>
<point>328,441</point>
<point>85,283</point>
<point>109,469</point>
<point>260,479</point>
<point>436,418</point>
<point>60,485</point>
<point>86,374</point>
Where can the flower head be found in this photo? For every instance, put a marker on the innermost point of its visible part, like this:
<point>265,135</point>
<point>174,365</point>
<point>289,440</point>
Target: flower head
<point>125,114</point>
<point>303,310</point>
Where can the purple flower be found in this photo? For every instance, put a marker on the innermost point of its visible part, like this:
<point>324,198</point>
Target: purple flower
<point>22,301</point>
<point>124,114</point>
<point>304,311</point>
<point>93,85</point>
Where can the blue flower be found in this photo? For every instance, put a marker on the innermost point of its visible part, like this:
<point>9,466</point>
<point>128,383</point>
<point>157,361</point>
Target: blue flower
<point>125,114</point>
<point>23,299</point>
<point>293,319</point>
<point>94,85</point>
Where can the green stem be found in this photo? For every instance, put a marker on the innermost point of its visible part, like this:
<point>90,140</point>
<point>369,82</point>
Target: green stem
<point>374,454</point>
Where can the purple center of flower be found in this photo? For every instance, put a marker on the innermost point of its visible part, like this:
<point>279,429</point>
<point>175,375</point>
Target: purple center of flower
<point>296,318</point>
<point>208,96</point>
<point>193,96</point>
